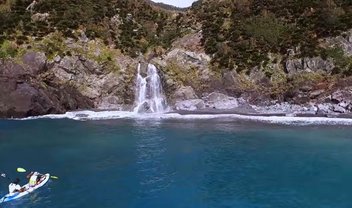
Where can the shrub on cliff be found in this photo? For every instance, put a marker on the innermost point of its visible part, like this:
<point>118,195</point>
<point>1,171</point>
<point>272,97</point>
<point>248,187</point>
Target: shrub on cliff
<point>141,25</point>
<point>242,32</point>
<point>8,50</point>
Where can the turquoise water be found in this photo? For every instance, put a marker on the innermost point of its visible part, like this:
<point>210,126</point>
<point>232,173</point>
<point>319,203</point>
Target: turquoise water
<point>174,163</point>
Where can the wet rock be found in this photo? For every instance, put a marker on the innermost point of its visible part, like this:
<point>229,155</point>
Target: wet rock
<point>144,108</point>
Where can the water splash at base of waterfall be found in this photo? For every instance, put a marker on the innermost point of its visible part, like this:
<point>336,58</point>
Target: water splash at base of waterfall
<point>149,96</point>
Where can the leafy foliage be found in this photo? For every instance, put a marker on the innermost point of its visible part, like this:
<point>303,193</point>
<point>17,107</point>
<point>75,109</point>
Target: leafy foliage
<point>343,63</point>
<point>8,50</point>
<point>242,32</point>
<point>140,25</point>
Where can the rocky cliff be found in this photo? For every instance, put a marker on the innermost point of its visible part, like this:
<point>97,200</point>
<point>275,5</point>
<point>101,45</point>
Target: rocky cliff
<point>70,69</point>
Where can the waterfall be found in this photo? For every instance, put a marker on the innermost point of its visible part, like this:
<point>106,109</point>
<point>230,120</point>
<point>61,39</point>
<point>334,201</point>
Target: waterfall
<point>149,94</point>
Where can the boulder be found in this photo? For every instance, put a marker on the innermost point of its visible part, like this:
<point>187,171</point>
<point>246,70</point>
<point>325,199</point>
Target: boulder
<point>316,93</point>
<point>324,108</point>
<point>188,57</point>
<point>184,93</point>
<point>190,105</point>
<point>221,101</point>
<point>342,95</point>
<point>40,17</point>
<point>34,62</point>
<point>339,109</point>
<point>216,97</point>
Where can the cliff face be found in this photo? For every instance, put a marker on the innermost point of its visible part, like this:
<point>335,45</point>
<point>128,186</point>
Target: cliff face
<point>28,90</point>
<point>216,55</point>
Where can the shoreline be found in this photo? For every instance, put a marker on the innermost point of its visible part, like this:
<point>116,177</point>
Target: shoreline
<point>243,113</point>
<point>89,115</point>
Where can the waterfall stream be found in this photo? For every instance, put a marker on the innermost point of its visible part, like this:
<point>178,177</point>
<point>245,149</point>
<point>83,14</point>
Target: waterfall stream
<point>149,96</point>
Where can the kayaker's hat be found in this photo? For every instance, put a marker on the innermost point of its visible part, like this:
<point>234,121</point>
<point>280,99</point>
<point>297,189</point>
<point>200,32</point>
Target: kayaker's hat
<point>16,181</point>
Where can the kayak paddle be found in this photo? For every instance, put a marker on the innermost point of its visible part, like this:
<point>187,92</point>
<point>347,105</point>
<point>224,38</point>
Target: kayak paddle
<point>22,170</point>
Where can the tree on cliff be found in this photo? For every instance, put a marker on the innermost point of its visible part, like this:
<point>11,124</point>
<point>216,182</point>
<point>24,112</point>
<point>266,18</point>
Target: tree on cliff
<point>242,32</point>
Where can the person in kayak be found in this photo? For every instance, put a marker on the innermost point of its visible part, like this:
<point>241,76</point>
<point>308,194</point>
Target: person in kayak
<point>15,187</point>
<point>34,178</point>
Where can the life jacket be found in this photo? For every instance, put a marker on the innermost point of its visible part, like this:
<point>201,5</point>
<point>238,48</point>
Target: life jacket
<point>33,180</point>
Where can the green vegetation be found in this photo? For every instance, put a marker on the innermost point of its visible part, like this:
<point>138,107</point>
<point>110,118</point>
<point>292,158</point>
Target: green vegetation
<point>238,34</point>
<point>8,50</point>
<point>137,25</point>
<point>52,45</point>
<point>343,62</point>
<point>243,32</point>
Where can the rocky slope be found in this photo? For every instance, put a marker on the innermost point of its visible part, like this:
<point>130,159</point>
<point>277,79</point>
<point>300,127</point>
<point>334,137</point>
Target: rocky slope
<point>53,72</point>
<point>193,85</point>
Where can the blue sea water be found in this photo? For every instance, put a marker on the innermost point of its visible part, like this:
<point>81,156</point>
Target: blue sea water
<point>178,163</point>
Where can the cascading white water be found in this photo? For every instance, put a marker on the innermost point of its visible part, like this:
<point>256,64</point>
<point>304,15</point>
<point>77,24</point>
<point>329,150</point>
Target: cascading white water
<point>149,93</point>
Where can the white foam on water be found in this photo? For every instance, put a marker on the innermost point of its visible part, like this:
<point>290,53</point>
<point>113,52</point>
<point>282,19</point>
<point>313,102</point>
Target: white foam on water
<point>108,115</point>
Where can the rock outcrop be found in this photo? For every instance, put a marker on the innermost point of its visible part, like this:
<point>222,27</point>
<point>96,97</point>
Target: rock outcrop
<point>315,64</point>
<point>107,89</point>
<point>190,105</point>
<point>39,86</point>
<point>212,101</point>
<point>27,91</point>
<point>220,101</point>
<point>184,93</point>
<point>344,41</point>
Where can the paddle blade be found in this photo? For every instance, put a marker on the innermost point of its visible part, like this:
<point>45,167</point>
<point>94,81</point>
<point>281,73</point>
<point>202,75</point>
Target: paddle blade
<point>21,170</point>
<point>54,177</point>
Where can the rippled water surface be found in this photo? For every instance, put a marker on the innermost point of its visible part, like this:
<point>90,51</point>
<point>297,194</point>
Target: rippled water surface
<point>179,163</point>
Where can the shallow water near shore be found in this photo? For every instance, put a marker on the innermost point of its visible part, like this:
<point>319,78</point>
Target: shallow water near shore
<point>179,163</point>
